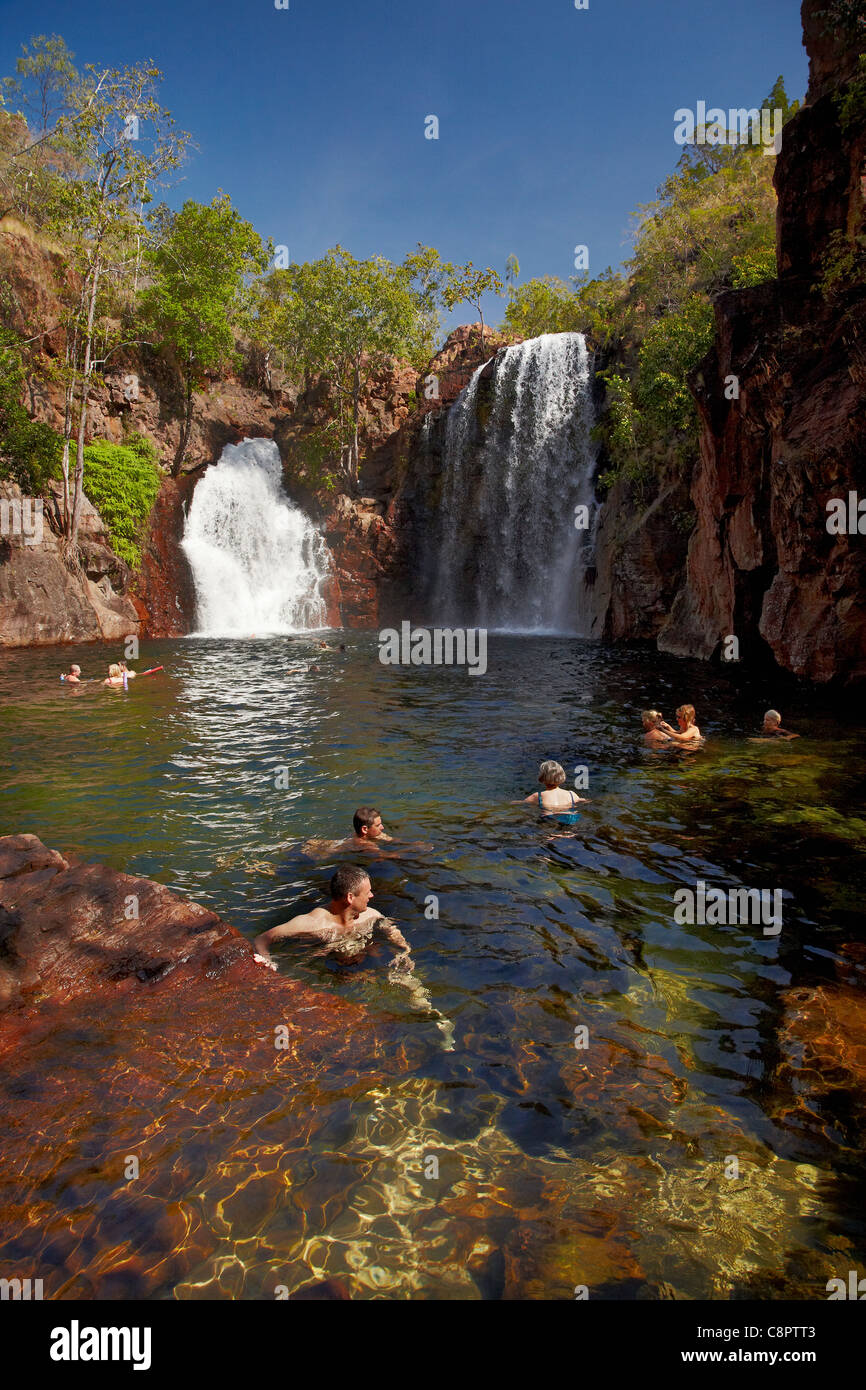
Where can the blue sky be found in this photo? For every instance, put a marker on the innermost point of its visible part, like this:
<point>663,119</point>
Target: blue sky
<point>554,123</point>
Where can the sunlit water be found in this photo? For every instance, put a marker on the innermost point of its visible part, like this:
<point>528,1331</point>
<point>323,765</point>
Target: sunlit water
<point>557,1166</point>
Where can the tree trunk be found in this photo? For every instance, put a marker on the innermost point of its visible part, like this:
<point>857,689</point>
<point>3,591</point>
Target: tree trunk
<point>77,483</point>
<point>356,400</point>
<point>187,422</point>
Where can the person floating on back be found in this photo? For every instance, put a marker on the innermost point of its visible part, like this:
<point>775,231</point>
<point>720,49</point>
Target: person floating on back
<point>654,737</point>
<point>772,728</point>
<point>689,735</point>
<point>553,800</point>
<point>345,927</point>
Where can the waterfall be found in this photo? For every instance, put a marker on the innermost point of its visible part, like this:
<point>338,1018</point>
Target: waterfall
<point>508,552</point>
<point>258,562</point>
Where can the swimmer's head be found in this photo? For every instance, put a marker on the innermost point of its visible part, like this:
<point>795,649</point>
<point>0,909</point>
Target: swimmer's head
<point>651,718</point>
<point>772,719</point>
<point>368,823</point>
<point>686,715</point>
<point>114,670</point>
<point>551,774</point>
<point>350,885</point>
<point>75,670</point>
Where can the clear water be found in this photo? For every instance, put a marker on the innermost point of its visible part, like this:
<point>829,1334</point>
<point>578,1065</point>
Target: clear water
<point>557,1165</point>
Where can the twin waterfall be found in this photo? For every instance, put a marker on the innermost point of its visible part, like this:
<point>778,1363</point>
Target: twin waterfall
<point>258,562</point>
<point>518,509</point>
<point>508,540</point>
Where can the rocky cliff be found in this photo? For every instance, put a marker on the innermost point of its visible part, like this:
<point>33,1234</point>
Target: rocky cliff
<point>762,564</point>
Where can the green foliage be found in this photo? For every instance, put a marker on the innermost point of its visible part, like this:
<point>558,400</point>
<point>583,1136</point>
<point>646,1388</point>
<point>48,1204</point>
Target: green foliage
<point>344,319</point>
<point>843,263</point>
<point>671,348</point>
<point>851,101</point>
<point>200,258</point>
<point>754,267</point>
<point>29,449</point>
<point>122,482</point>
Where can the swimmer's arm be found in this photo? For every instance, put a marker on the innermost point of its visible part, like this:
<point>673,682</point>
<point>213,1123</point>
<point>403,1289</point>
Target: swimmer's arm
<point>393,934</point>
<point>533,796</point>
<point>302,926</point>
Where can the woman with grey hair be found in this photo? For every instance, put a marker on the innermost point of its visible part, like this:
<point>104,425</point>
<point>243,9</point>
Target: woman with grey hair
<point>553,800</point>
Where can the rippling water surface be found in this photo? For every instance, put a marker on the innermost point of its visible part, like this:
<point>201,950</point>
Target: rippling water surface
<point>557,1165</point>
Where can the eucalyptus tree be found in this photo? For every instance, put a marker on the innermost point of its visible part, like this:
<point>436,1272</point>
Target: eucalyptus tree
<point>344,319</point>
<point>121,143</point>
<point>201,261</point>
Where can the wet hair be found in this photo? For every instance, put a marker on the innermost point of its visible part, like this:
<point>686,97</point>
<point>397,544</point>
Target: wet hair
<point>348,879</point>
<point>365,815</point>
<point>551,774</point>
<point>114,669</point>
<point>688,713</point>
<point>651,718</point>
<point>773,717</point>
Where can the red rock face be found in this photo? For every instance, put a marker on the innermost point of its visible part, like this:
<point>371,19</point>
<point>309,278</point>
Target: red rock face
<point>44,600</point>
<point>164,585</point>
<point>155,1037</point>
<point>762,565</point>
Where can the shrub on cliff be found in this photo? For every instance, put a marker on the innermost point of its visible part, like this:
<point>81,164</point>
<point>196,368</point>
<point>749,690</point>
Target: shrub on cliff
<point>122,481</point>
<point>29,449</point>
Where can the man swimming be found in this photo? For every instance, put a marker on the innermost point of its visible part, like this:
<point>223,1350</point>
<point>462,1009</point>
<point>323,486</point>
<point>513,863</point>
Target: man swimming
<point>345,927</point>
<point>72,676</point>
<point>368,827</point>
<point>772,728</point>
<point>654,737</point>
<point>689,735</point>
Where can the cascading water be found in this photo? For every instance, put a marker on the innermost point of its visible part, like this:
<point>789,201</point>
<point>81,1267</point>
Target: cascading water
<point>509,552</point>
<point>258,562</point>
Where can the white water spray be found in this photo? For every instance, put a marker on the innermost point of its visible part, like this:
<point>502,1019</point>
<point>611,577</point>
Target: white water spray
<point>258,562</point>
<point>509,553</point>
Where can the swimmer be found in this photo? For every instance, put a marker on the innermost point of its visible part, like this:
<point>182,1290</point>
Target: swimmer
<point>115,675</point>
<point>653,736</point>
<point>689,735</point>
<point>772,728</point>
<point>368,835</point>
<point>125,671</point>
<point>552,800</point>
<point>345,927</point>
<point>368,827</point>
<point>73,676</point>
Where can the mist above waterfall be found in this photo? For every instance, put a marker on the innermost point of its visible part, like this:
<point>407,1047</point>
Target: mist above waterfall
<point>258,563</point>
<point>517,461</point>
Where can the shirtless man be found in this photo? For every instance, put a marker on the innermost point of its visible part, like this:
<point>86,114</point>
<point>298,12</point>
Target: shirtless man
<point>368,828</point>
<point>345,927</point>
<point>73,676</point>
<point>772,728</point>
<point>653,736</point>
<point>689,735</point>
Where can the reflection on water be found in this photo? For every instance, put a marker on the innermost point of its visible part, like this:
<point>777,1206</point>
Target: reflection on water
<point>516,1164</point>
